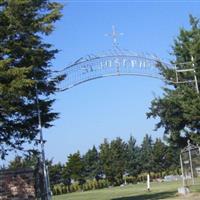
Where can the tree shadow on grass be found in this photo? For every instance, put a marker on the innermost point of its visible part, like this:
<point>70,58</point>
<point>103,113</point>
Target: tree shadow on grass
<point>149,196</point>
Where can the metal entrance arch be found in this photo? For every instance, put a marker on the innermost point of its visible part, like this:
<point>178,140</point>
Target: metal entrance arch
<point>115,62</point>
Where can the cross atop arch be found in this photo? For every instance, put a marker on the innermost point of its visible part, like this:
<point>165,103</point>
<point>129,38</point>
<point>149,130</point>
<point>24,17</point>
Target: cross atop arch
<point>114,35</point>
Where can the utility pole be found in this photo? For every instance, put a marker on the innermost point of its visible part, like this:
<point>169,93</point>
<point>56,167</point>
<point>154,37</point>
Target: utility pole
<point>195,77</point>
<point>190,158</point>
<point>182,170</point>
<point>199,149</point>
<point>47,195</point>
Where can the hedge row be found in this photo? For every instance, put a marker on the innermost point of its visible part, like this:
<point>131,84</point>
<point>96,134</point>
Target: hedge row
<point>89,185</point>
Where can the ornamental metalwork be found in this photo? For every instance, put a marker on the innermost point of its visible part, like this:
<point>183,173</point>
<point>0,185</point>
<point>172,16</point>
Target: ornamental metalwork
<point>117,62</point>
<point>190,164</point>
<point>114,62</point>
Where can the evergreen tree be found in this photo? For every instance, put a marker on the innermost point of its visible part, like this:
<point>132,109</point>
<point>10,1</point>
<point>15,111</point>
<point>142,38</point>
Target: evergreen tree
<point>179,108</point>
<point>25,61</point>
<point>24,162</point>
<point>66,176</point>
<point>17,163</point>
<point>92,164</point>
<point>75,166</point>
<point>133,167</point>
<point>146,154</point>
<point>159,156</point>
<point>113,157</point>
<point>172,159</point>
<point>106,160</point>
<point>119,157</point>
<point>55,173</point>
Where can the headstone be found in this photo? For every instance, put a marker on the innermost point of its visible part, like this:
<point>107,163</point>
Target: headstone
<point>183,190</point>
<point>148,182</point>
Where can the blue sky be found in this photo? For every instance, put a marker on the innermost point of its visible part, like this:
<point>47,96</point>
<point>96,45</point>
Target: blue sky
<point>115,106</point>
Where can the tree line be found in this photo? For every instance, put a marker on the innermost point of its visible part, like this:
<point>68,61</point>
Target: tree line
<point>112,161</point>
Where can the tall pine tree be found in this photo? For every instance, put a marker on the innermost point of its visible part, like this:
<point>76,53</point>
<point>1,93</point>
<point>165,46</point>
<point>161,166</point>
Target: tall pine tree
<point>25,60</point>
<point>133,167</point>
<point>75,166</point>
<point>159,156</point>
<point>92,164</point>
<point>179,108</point>
<point>113,157</point>
<point>146,154</point>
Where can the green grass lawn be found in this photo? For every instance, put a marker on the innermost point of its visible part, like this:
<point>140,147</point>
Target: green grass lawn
<point>167,191</point>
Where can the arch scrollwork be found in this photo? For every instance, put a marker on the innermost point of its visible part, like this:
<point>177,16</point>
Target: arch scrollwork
<point>111,63</point>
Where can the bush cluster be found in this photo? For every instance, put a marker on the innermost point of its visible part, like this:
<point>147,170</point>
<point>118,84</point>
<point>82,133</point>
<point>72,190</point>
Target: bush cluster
<point>88,185</point>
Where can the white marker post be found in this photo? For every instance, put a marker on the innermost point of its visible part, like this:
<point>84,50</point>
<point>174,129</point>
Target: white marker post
<point>148,182</point>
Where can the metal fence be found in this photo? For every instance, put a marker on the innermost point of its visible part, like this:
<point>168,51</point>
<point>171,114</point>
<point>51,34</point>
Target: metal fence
<point>190,165</point>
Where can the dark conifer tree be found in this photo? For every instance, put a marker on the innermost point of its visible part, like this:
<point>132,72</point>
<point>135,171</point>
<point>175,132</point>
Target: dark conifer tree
<point>146,154</point>
<point>133,167</point>
<point>92,164</point>
<point>75,166</point>
<point>25,60</point>
<point>113,157</point>
<point>159,156</point>
<point>179,108</point>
